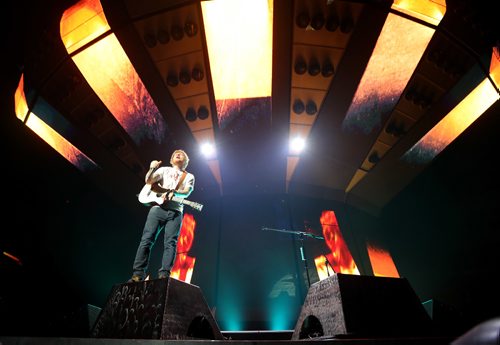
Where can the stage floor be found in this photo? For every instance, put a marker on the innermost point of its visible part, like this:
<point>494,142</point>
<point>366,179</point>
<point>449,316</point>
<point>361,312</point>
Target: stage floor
<point>233,338</point>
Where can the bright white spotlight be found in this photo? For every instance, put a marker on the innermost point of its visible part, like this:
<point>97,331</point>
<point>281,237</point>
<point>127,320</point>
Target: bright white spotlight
<point>297,145</point>
<point>208,150</point>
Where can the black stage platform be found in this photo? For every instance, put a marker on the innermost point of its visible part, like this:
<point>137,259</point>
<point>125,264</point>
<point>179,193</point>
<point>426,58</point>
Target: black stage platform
<point>88,341</point>
<point>342,309</point>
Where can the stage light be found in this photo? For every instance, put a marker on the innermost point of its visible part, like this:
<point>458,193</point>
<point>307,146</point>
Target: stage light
<point>172,79</point>
<point>298,107</point>
<point>327,69</point>
<point>314,67</point>
<point>300,66</point>
<point>302,20</point>
<point>208,150</point>
<point>297,145</point>
<point>203,112</point>
<point>177,33</point>
<point>184,76</point>
<point>374,158</point>
<point>190,28</point>
<point>347,24</point>
<point>396,128</point>
<point>332,22</point>
<point>191,114</point>
<point>318,21</point>
<point>150,40</point>
<point>311,108</point>
<point>163,36</point>
<point>197,74</point>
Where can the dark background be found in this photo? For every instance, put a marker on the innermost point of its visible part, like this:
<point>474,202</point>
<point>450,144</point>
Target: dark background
<point>75,240</point>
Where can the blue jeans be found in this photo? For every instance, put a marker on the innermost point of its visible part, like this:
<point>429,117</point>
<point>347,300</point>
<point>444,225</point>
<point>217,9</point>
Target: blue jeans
<point>158,219</point>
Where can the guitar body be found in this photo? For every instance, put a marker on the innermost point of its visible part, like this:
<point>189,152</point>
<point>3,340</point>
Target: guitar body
<point>150,196</point>
<point>153,194</point>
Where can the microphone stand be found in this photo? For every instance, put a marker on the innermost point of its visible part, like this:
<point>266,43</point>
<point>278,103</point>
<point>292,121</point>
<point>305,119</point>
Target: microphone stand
<point>303,257</point>
<point>302,235</point>
<point>327,263</point>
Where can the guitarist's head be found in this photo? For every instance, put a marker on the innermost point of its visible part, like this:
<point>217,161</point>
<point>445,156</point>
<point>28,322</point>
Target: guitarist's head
<point>179,159</point>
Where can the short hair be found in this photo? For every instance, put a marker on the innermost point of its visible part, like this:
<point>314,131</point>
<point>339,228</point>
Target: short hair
<point>186,160</point>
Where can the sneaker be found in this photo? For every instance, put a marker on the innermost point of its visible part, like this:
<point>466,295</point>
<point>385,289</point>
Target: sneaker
<point>135,279</point>
<point>162,276</point>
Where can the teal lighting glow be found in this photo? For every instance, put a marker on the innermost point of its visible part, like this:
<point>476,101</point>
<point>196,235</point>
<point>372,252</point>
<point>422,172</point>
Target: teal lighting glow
<point>231,318</point>
<point>281,315</point>
<point>282,304</point>
<point>229,310</point>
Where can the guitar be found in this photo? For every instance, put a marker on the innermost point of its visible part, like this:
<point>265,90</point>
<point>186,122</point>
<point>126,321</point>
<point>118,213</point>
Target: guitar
<point>154,194</point>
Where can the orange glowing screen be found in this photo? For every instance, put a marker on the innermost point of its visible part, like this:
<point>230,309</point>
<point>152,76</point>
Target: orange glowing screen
<point>110,73</point>
<point>239,40</point>
<point>323,267</point>
<point>495,66</point>
<point>431,11</point>
<point>20,104</point>
<point>398,50</point>
<point>47,133</point>
<point>59,143</point>
<point>382,263</point>
<point>457,120</point>
<point>82,23</point>
<point>184,264</point>
<point>340,259</point>
<point>14,258</point>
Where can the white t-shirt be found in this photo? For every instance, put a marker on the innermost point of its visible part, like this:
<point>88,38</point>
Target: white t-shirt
<point>167,178</point>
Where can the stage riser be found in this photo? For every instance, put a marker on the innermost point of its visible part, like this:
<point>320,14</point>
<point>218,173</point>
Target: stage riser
<point>81,341</point>
<point>156,309</point>
<point>356,306</point>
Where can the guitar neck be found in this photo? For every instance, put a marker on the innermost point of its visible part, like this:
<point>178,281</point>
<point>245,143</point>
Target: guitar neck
<point>193,204</point>
<point>180,200</point>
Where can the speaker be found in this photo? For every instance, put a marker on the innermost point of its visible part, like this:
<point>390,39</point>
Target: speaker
<point>446,318</point>
<point>85,318</point>
<point>74,323</point>
<point>156,309</point>
<point>344,305</point>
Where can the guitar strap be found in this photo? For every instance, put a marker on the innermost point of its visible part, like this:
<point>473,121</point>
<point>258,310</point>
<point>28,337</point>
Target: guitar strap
<point>181,180</point>
<point>183,176</point>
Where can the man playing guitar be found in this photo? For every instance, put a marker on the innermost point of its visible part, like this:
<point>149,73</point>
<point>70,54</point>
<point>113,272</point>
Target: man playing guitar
<point>167,216</point>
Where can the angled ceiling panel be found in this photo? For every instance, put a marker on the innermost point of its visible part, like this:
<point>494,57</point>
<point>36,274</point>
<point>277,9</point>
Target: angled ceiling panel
<point>139,28</point>
<point>321,33</point>
<point>425,101</point>
<point>332,155</point>
<point>69,92</point>
<point>377,189</point>
<point>173,39</point>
